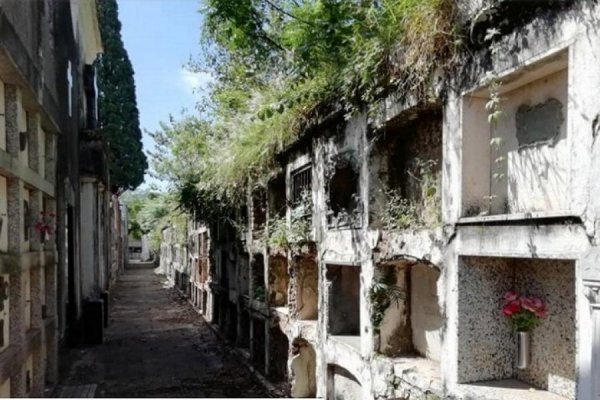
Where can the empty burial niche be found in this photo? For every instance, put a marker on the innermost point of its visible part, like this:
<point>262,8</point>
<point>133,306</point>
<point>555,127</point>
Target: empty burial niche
<point>303,367</point>
<point>258,278</point>
<point>482,283</point>
<point>258,344</point>
<point>232,322</point>
<point>406,163</point>
<point>523,164</point>
<point>344,300</point>
<point>307,288</point>
<point>279,347</point>
<point>279,280</point>
<point>259,209</point>
<point>244,275</point>
<point>204,301</point>
<point>216,309</point>
<point>276,198</point>
<point>244,338</point>
<point>344,200</point>
<point>405,310</point>
<point>342,385</point>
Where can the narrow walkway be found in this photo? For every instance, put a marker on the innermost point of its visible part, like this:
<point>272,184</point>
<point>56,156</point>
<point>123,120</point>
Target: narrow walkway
<point>158,346</point>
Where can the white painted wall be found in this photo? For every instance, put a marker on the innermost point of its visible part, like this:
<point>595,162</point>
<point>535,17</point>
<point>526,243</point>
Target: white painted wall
<point>426,319</point>
<point>536,176</point>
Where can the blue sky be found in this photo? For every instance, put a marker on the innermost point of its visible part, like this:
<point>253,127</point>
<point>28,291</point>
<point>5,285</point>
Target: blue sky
<point>160,36</point>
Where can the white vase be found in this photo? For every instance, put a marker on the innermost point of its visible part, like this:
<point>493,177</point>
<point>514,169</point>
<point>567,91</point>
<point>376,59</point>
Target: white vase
<point>523,349</point>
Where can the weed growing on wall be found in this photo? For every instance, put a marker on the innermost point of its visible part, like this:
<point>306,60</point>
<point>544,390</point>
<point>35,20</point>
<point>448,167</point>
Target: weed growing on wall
<point>400,213</point>
<point>292,236</point>
<point>383,293</point>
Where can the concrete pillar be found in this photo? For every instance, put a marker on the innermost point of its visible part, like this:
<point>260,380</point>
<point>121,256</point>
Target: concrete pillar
<point>17,332</point>
<point>50,157</point>
<point>15,215</point>
<point>36,207</point>
<point>38,373</point>
<point>11,96</point>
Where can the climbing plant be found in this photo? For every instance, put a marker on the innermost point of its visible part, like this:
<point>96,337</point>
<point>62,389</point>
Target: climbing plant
<point>383,293</point>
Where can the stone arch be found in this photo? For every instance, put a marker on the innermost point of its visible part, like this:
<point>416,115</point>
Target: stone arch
<point>342,384</point>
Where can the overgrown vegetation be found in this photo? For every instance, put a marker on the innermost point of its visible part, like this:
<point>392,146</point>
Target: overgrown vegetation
<point>382,294</point>
<point>149,213</point>
<point>398,212</point>
<point>290,236</point>
<point>281,66</point>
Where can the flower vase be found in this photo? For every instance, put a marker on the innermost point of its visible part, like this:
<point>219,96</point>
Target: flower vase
<point>523,350</point>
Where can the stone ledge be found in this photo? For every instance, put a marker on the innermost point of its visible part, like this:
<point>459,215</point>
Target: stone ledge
<point>11,167</point>
<point>11,263</point>
<point>423,244</point>
<point>509,389</point>
<point>414,378</point>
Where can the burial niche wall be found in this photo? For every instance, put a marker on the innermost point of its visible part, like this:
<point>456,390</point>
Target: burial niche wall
<point>344,300</point>
<point>522,162</point>
<point>406,170</point>
<point>405,310</point>
<point>343,202</point>
<point>279,347</point>
<point>482,283</point>
<point>278,281</point>
<point>258,344</point>
<point>258,277</point>
<point>306,288</point>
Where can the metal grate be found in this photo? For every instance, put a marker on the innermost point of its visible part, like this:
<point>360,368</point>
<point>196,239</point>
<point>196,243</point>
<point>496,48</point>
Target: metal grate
<point>301,182</point>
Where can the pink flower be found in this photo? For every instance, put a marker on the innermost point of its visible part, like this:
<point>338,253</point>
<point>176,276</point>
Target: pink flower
<point>535,305</point>
<point>511,308</point>
<point>511,296</point>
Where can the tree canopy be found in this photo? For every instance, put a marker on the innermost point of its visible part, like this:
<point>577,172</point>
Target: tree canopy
<point>117,106</point>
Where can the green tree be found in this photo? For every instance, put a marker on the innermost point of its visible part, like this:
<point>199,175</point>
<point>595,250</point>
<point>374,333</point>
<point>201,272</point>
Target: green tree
<point>117,107</point>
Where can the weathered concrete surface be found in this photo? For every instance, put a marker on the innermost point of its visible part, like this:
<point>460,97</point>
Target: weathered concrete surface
<point>158,346</point>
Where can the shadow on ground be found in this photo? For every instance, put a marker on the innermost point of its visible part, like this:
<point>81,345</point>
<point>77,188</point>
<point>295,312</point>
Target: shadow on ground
<point>158,346</point>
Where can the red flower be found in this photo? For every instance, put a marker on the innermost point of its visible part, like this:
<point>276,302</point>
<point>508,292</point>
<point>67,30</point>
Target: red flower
<point>511,308</point>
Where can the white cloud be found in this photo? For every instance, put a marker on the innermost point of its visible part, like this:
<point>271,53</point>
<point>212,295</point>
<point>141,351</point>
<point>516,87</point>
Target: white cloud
<point>194,81</point>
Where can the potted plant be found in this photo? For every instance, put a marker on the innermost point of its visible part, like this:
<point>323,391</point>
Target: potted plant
<point>525,313</point>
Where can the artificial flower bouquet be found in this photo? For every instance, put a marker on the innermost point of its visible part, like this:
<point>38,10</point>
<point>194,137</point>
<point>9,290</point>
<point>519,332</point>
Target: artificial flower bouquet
<point>526,312</point>
<point>45,224</point>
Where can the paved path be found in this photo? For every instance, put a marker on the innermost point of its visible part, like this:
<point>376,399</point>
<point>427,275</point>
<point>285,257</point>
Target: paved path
<point>158,346</point>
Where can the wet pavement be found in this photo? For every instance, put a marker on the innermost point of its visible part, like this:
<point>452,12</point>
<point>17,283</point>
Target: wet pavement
<point>157,346</point>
